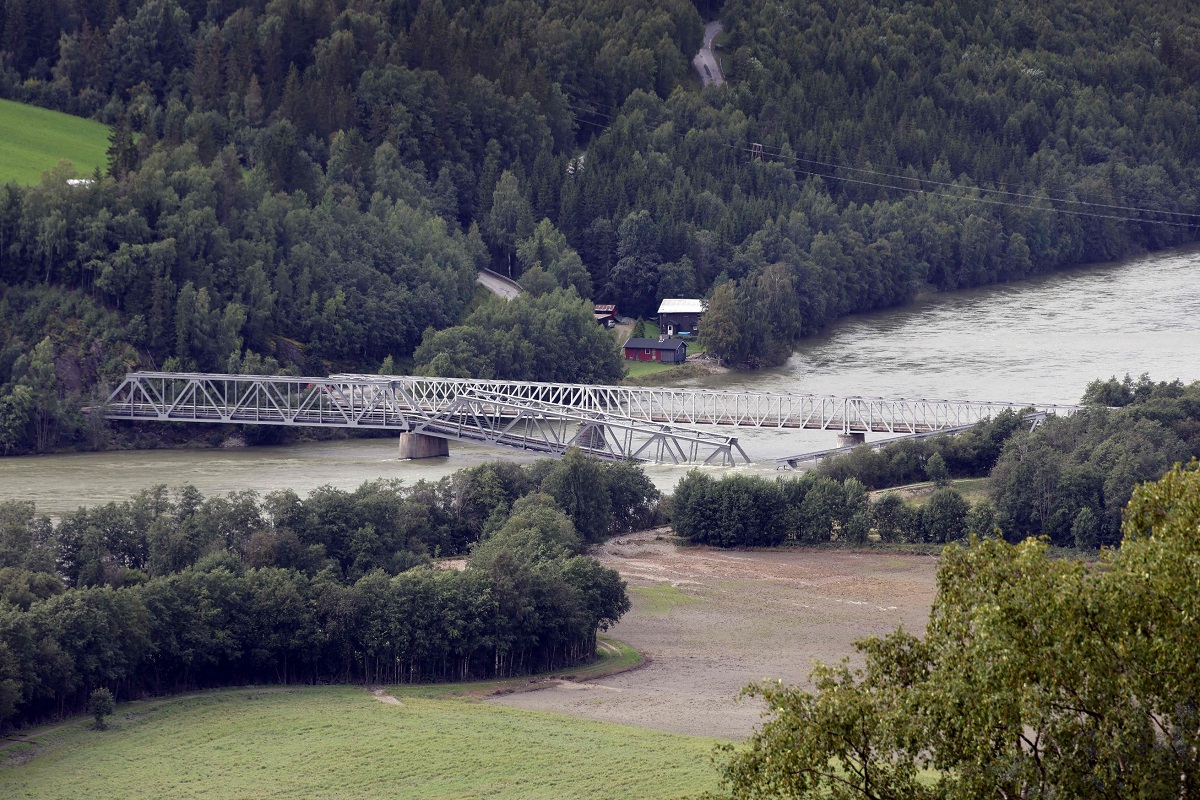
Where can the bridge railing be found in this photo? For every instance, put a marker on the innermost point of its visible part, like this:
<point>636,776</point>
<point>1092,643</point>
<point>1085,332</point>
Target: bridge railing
<point>495,412</point>
<point>437,405</point>
<point>743,409</point>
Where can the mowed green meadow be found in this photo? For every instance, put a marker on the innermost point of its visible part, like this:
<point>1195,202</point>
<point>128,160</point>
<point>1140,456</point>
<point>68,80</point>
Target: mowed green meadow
<point>33,140</point>
<point>340,742</point>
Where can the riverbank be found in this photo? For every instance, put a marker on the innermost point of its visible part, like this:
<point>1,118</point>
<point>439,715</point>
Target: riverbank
<point>647,373</point>
<point>1040,340</point>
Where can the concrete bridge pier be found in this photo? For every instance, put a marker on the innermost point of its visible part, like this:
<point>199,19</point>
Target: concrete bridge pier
<point>420,445</point>
<point>849,439</point>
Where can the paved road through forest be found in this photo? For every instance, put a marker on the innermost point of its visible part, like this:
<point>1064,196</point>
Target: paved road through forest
<point>498,284</point>
<point>705,62</point>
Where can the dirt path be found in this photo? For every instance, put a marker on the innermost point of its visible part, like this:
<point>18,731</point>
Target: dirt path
<point>713,621</point>
<point>624,332</point>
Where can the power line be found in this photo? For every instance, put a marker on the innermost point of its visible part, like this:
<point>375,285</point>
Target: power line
<point>987,201</point>
<point>991,191</point>
<point>1033,198</point>
<point>837,165</point>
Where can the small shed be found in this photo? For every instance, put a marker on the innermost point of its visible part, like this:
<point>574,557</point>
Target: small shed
<point>680,317</point>
<point>668,351</point>
<point>605,314</point>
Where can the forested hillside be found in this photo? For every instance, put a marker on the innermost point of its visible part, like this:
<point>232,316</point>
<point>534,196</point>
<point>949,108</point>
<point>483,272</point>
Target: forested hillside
<point>311,184</point>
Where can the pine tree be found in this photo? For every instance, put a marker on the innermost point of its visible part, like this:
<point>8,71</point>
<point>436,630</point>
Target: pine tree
<point>122,151</point>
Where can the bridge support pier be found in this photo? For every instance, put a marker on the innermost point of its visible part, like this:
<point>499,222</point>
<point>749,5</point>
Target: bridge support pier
<point>420,445</point>
<point>851,439</point>
<point>591,437</point>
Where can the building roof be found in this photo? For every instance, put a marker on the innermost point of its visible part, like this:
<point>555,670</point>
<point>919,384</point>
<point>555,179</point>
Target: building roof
<point>656,344</point>
<point>607,307</point>
<point>682,306</point>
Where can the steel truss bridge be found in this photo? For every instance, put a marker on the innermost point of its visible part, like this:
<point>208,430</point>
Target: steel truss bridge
<point>611,422</point>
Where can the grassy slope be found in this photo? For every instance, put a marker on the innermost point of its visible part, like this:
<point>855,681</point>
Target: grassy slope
<point>917,494</point>
<point>338,742</point>
<point>32,140</point>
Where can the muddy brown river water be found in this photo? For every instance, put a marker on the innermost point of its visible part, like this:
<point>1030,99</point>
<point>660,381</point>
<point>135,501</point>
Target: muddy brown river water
<point>1038,340</point>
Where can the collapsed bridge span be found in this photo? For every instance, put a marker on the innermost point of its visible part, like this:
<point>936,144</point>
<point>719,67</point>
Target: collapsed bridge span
<point>612,422</point>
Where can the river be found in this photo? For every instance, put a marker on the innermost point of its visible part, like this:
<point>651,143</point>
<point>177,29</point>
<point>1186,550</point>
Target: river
<point>1038,340</point>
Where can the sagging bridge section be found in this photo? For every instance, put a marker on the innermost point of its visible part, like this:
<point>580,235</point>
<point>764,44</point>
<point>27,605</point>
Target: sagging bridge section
<point>612,422</point>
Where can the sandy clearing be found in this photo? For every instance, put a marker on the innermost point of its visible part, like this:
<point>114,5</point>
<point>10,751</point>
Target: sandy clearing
<point>713,621</point>
<point>382,696</point>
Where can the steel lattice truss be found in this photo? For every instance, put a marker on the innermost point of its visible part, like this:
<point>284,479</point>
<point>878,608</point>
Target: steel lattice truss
<point>471,411</point>
<point>745,409</point>
<point>497,418</point>
<point>610,421</point>
<point>1034,419</point>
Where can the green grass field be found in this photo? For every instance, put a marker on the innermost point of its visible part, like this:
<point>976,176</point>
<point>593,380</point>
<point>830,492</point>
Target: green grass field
<point>333,742</point>
<point>32,140</point>
<point>662,598</point>
<point>339,742</point>
<point>972,489</point>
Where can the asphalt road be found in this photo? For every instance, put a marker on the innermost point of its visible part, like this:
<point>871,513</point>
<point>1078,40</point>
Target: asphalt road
<point>705,62</point>
<point>498,285</point>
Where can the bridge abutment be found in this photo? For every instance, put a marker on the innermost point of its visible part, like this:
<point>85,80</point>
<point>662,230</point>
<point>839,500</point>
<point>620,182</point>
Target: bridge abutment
<point>420,445</point>
<point>851,439</point>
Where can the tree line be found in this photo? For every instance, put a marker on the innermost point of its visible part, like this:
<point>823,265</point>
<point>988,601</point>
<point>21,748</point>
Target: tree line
<point>311,185</point>
<point>298,187</point>
<point>171,590</point>
<point>1069,478</point>
<point>748,511</point>
<point>1066,480</point>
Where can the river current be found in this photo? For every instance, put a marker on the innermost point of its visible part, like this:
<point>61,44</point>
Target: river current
<point>1040,340</point>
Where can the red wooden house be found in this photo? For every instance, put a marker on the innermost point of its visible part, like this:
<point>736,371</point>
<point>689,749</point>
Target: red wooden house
<point>668,351</point>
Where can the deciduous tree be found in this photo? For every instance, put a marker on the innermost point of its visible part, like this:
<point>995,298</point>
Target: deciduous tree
<point>1037,677</point>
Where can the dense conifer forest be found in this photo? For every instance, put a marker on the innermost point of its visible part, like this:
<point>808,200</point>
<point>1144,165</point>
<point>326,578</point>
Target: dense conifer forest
<point>310,185</point>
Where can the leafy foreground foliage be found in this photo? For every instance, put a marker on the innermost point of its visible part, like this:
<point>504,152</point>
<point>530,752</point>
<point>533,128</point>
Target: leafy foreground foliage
<point>169,592</point>
<point>266,744</point>
<point>1037,678</point>
<point>37,139</point>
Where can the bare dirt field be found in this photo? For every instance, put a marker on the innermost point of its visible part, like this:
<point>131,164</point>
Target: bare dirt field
<point>712,621</point>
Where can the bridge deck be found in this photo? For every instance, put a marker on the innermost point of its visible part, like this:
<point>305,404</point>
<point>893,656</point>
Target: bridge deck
<point>495,410</point>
